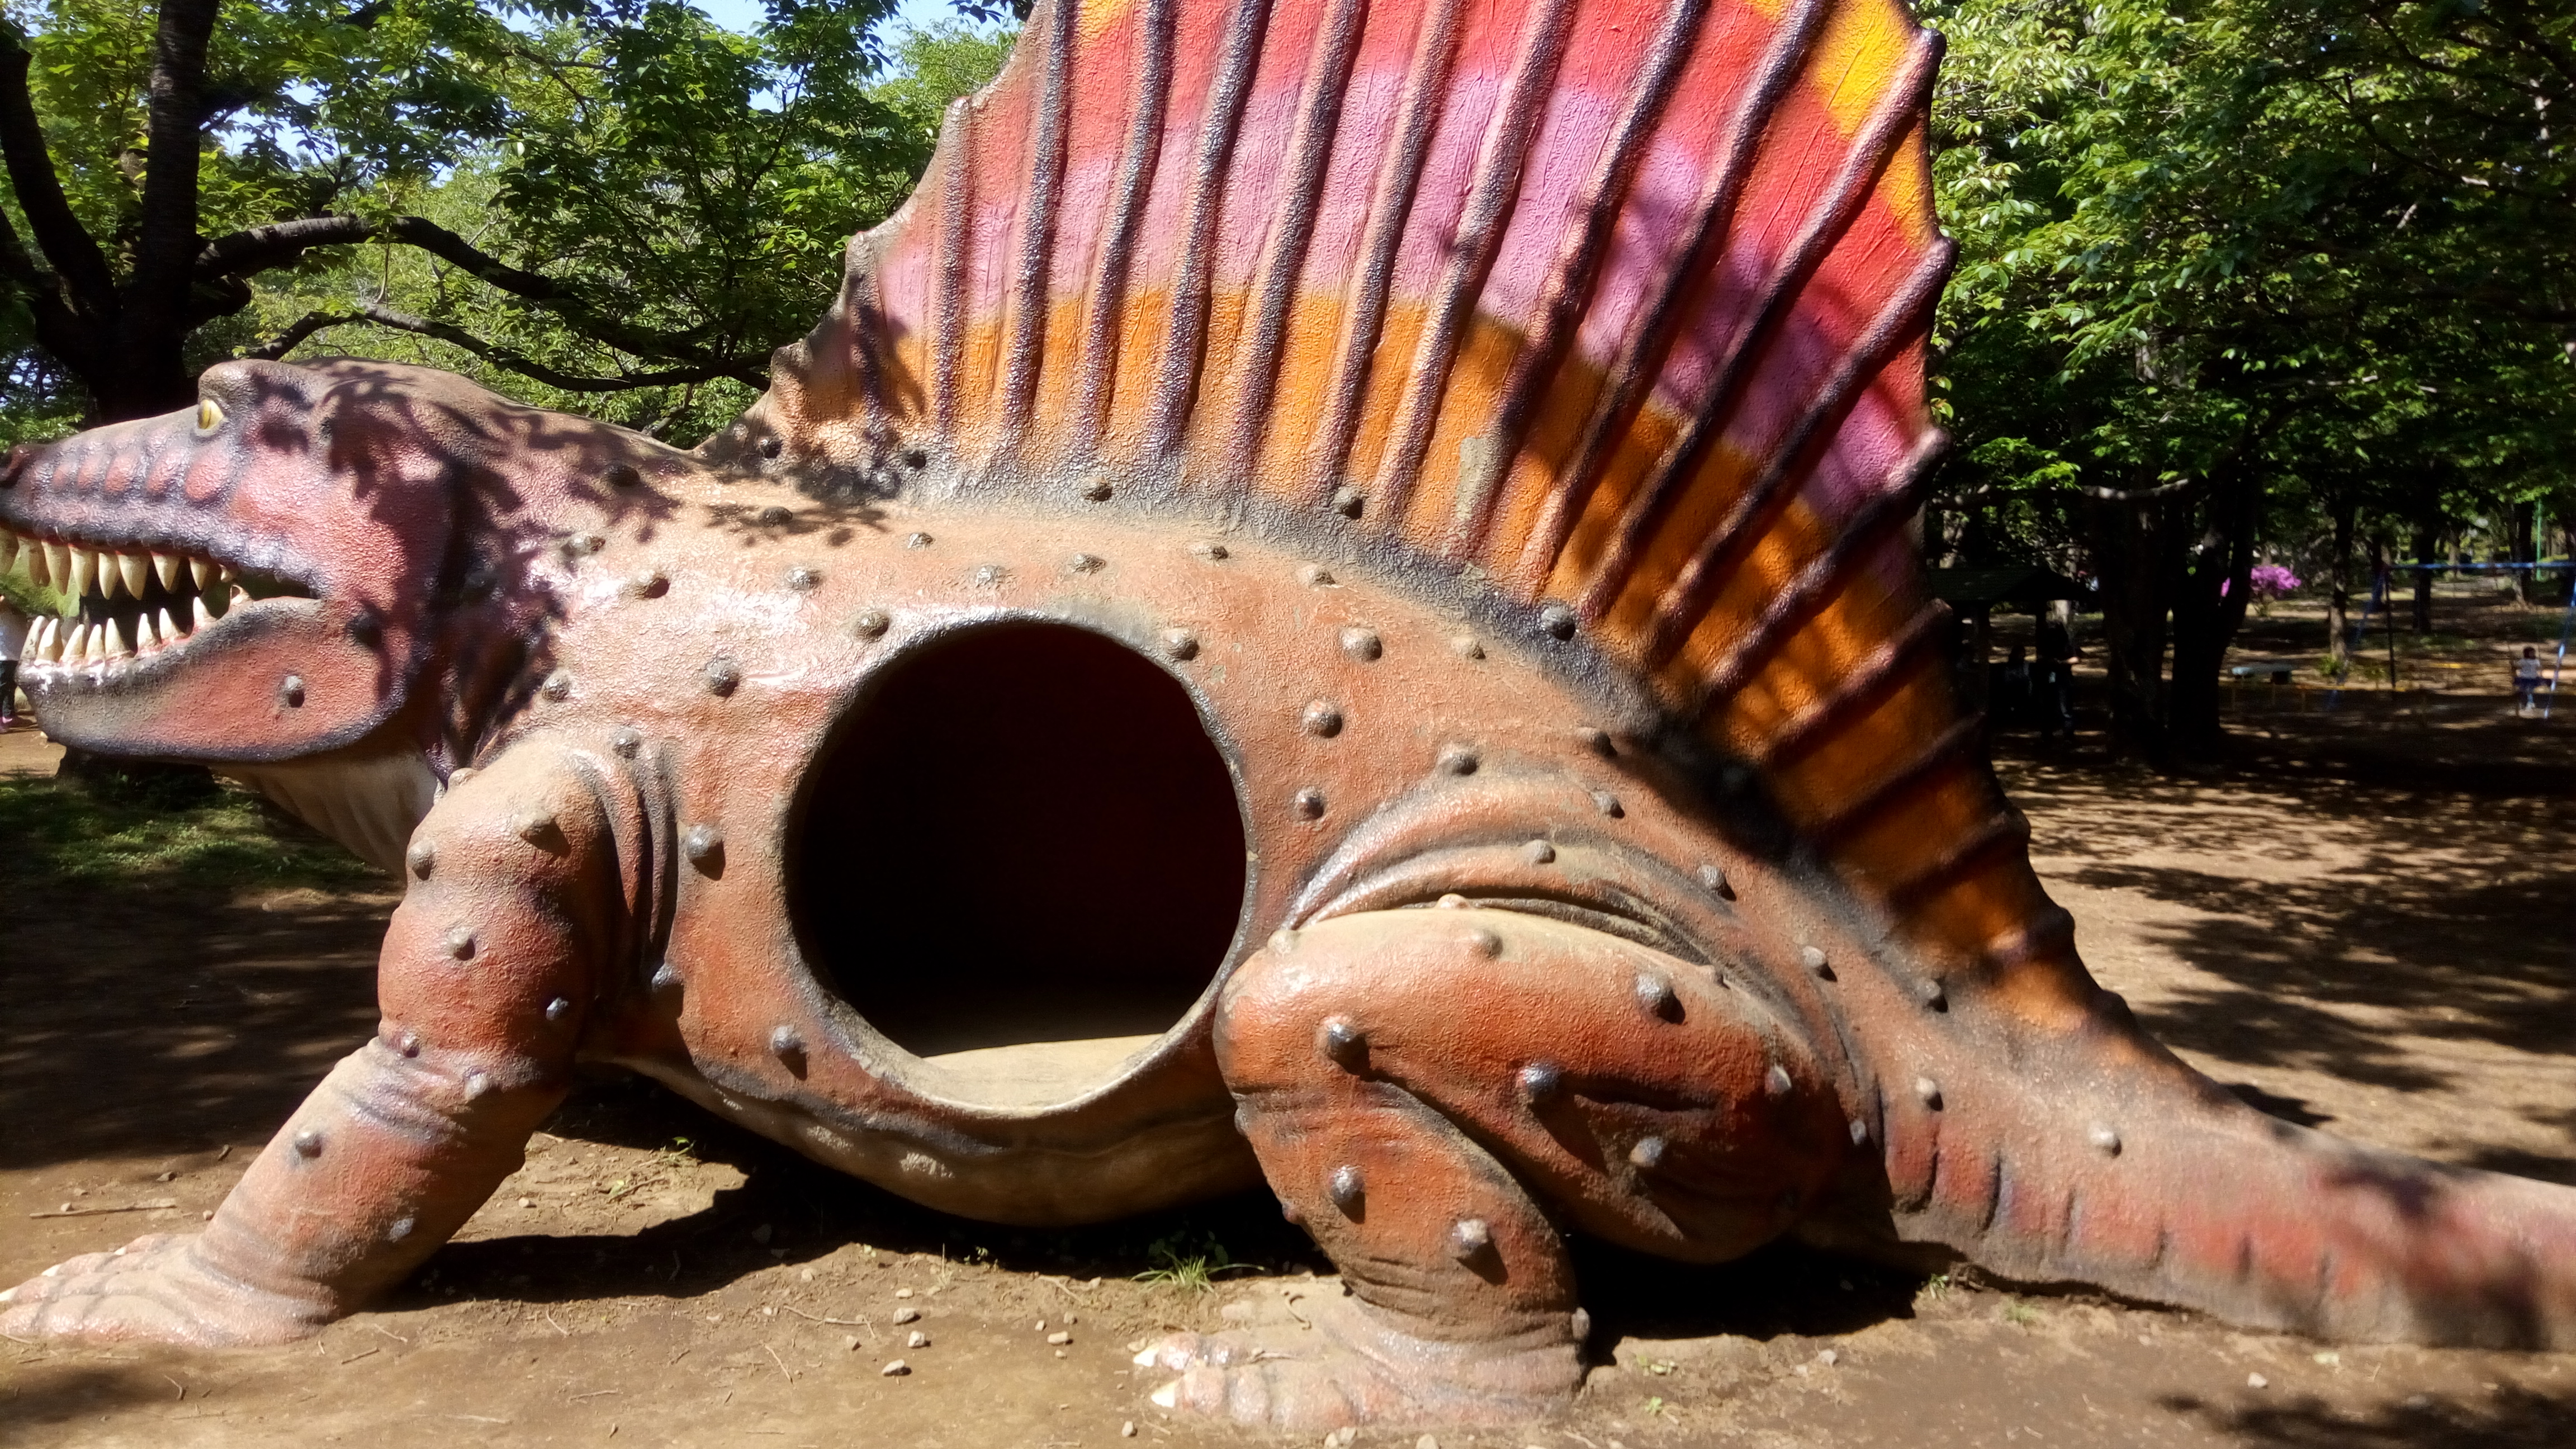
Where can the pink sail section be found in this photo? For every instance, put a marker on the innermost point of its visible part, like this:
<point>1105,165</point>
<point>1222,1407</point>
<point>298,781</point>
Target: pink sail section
<point>1610,313</point>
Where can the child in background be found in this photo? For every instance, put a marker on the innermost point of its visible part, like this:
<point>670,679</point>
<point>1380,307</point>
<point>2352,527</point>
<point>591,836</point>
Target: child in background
<point>2526,679</point>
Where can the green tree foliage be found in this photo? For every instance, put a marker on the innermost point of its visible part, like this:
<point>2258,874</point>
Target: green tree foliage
<point>603,202</point>
<point>2240,271</point>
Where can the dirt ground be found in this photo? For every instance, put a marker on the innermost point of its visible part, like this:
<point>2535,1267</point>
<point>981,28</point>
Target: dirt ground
<point>2362,926</point>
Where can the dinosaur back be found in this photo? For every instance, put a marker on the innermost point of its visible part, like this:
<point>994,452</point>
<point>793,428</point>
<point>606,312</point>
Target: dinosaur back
<point>1611,311</point>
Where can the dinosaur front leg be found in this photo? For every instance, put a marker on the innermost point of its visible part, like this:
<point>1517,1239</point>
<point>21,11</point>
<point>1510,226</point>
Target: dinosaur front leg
<point>484,983</point>
<point>1431,1091</point>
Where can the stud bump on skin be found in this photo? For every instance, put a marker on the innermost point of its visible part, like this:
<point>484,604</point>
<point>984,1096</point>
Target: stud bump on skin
<point>1457,760</point>
<point>1466,647</point>
<point>1648,1153</point>
<point>1541,1081</point>
<point>704,846</point>
<point>1348,1191</point>
<point>1342,1044</point>
<point>1608,804</point>
<point>1310,804</point>
<point>723,677</point>
<point>308,1143</point>
<point>1322,719</point>
<point>1715,879</point>
<point>422,857</point>
<point>870,624</point>
<point>558,1009</point>
<point>1594,739</point>
<point>1813,958</point>
<point>1362,645</point>
<point>1484,943</point>
<point>1556,621</point>
<point>1180,645</point>
<point>1469,1237</point>
<point>626,743</point>
<point>533,826</point>
<point>291,691</point>
<point>786,1044</point>
<point>1931,994</point>
<point>1538,852</point>
<point>460,943</point>
<point>1928,1092</point>
<point>1776,1081</point>
<point>1314,576</point>
<point>802,578</point>
<point>1655,994</point>
<point>650,584</point>
<point>2105,1139</point>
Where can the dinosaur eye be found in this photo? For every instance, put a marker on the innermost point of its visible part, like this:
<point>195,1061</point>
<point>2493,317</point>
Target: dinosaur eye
<point>209,415</point>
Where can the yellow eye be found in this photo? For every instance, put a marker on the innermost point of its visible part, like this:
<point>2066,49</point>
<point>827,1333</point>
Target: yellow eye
<point>209,416</point>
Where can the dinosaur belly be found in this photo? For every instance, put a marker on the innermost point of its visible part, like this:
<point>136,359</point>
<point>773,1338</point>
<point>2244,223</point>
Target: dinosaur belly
<point>1000,801</point>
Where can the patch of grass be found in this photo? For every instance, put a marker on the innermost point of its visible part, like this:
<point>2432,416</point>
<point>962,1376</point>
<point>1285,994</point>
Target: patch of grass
<point>2016,1311</point>
<point>1189,1262</point>
<point>61,835</point>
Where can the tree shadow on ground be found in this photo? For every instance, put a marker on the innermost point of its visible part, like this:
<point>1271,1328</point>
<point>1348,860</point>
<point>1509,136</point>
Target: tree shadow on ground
<point>2388,915</point>
<point>791,1211</point>
<point>2511,1418</point>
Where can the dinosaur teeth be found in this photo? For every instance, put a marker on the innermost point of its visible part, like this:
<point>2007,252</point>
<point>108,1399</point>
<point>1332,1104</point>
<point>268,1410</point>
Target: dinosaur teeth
<point>118,645</point>
<point>40,640</point>
<point>83,572</point>
<point>135,569</point>
<point>200,573</point>
<point>168,625</point>
<point>58,565</point>
<point>165,567</point>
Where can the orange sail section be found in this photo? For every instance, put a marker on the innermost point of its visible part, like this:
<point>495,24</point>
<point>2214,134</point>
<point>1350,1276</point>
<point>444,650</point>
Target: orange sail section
<point>1612,312</point>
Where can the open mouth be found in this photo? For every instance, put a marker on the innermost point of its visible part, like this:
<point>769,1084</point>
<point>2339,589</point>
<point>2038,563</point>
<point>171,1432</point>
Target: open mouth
<point>131,602</point>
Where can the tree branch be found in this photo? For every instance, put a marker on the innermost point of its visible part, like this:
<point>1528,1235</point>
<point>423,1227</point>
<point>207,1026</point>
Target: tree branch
<point>496,354</point>
<point>59,235</point>
<point>58,326</point>
<point>296,331</point>
<point>279,243</point>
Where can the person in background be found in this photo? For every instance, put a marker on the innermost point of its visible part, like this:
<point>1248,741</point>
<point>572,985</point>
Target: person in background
<point>2526,679</point>
<point>2012,696</point>
<point>2056,701</point>
<point>13,641</point>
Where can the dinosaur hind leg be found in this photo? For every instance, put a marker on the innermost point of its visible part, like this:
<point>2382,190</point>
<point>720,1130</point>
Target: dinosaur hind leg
<point>1429,1090</point>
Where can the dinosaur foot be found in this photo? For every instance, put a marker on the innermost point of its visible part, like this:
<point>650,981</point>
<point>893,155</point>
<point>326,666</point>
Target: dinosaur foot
<point>1353,1364</point>
<point>156,1289</point>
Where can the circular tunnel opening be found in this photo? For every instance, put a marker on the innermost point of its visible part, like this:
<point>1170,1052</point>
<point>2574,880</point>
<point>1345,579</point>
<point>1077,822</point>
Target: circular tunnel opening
<point>1019,858</point>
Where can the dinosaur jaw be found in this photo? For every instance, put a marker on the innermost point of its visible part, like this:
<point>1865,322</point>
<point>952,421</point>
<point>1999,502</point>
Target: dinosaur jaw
<point>180,648</point>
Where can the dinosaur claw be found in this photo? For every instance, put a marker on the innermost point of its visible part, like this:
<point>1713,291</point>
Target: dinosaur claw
<point>1168,1396</point>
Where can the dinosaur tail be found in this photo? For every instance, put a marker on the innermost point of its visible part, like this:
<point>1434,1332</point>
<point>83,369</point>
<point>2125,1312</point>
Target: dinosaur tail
<point>2085,1152</point>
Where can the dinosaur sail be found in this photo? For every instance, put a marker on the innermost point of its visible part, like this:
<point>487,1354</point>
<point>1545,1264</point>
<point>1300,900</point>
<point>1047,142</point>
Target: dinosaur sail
<point>1611,311</point>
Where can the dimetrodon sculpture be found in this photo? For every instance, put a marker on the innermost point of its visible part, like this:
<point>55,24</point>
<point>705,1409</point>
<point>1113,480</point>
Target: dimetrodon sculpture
<point>1330,606</point>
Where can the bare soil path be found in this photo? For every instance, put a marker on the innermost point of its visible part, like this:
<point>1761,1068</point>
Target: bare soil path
<point>2392,962</point>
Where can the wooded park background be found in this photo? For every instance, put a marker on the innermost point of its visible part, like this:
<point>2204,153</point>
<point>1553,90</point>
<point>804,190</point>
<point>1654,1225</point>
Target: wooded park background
<point>2240,281</point>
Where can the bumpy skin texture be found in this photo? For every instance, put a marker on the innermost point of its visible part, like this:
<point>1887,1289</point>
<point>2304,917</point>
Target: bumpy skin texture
<point>1502,484</point>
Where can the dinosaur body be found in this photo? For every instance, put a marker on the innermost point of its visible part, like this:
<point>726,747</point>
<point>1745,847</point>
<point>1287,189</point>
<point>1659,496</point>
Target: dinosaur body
<point>1326,608</point>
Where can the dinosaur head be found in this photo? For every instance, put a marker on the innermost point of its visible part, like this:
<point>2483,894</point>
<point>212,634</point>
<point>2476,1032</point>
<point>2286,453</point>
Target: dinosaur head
<point>252,578</point>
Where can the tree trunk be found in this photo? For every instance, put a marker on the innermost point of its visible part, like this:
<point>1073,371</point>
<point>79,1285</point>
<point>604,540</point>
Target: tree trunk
<point>2209,607</point>
<point>2525,539</point>
<point>2136,549</point>
<point>2423,579</point>
<point>2339,589</point>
